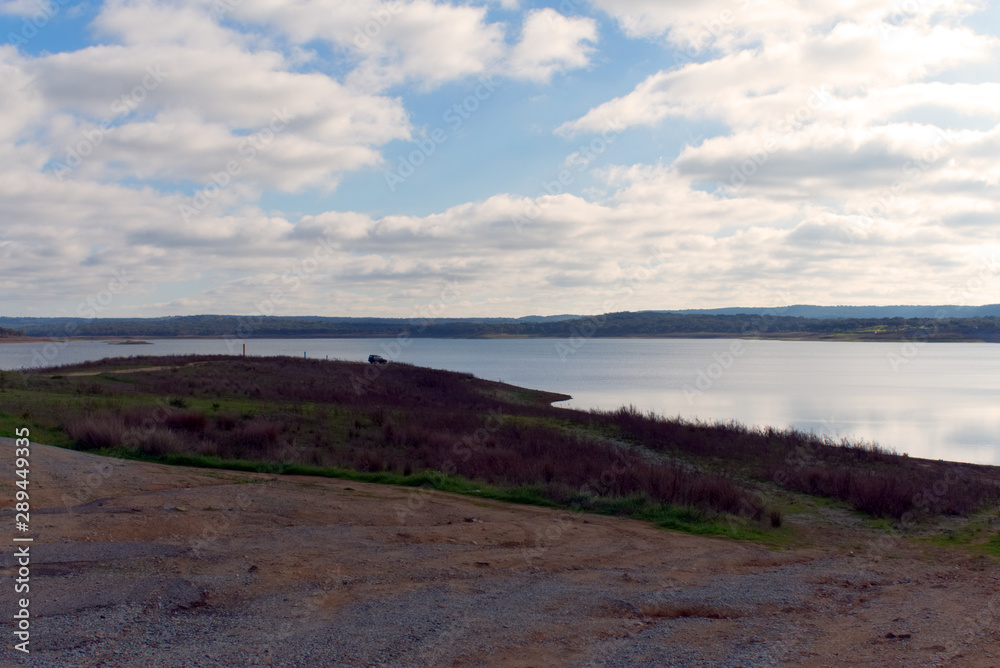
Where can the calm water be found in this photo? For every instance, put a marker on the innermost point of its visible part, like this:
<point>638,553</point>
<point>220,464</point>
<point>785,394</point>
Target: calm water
<point>940,401</point>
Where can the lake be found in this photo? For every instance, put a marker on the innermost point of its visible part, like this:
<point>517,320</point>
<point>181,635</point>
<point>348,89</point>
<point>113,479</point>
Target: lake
<point>940,401</point>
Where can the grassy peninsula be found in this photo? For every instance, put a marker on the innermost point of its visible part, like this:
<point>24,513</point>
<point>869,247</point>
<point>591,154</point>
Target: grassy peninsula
<point>420,427</point>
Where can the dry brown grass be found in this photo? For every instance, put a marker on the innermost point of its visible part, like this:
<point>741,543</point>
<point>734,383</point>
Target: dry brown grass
<point>679,610</point>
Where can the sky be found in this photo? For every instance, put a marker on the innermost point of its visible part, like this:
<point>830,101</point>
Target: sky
<point>496,158</point>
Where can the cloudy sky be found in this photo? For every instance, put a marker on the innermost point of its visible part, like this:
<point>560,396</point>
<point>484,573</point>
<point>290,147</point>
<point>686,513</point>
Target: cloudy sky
<point>501,157</point>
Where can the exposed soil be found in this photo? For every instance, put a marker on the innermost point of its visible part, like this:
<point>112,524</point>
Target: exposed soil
<point>143,369</point>
<point>138,564</point>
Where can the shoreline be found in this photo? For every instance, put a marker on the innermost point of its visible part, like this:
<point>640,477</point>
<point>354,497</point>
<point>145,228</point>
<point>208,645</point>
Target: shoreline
<point>837,338</point>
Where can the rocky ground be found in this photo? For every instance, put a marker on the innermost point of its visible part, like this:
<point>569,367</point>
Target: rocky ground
<point>138,564</point>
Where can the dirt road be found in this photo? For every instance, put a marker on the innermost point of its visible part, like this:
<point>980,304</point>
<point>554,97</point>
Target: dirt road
<point>139,564</point>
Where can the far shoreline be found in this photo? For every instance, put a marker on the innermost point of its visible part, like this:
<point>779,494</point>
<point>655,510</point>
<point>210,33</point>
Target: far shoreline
<point>791,337</point>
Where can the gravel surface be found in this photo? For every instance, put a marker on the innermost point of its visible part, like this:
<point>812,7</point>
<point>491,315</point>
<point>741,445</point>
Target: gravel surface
<point>158,566</point>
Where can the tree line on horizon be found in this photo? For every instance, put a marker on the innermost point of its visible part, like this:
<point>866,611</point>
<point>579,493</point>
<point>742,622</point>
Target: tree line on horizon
<point>623,324</point>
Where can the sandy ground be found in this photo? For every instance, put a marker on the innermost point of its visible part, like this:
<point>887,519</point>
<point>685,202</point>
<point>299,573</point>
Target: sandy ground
<point>139,564</point>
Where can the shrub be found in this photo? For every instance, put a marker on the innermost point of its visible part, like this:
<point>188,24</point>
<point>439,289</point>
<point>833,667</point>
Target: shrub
<point>870,478</point>
<point>187,421</point>
<point>369,461</point>
<point>162,442</point>
<point>97,431</point>
<point>226,421</point>
<point>140,416</point>
<point>255,439</point>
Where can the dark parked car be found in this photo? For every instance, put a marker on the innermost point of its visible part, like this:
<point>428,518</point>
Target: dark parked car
<point>377,359</point>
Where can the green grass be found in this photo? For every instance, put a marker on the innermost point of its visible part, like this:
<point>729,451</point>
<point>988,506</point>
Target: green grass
<point>992,546</point>
<point>674,518</point>
<point>428,479</point>
<point>879,523</point>
<point>39,432</point>
<point>978,534</point>
<point>690,521</point>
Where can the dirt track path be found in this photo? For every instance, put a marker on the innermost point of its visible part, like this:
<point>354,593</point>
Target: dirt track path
<point>117,371</point>
<point>139,564</point>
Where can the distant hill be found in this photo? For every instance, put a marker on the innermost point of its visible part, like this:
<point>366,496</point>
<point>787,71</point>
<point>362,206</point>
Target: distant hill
<point>823,312</point>
<point>272,326</point>
<point>745,323</point>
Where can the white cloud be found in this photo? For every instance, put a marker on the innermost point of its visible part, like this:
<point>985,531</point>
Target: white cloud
<point>551,42</point>
<point>429,43</point>
<point>832,119</point>
<point>145,22</point>
<point>176,94</point>
<point>28,9</point>
<point>391,42</point>
<point>20,105</point>
<point>847,134</point>
<point>186,104</point>
<point>655,243</point>
<point>753,87</point>
<point>726,26</point>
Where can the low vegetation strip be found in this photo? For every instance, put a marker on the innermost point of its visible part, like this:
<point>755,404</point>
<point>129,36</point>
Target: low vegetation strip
<point>410,425</point>
<point>869,478</point>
